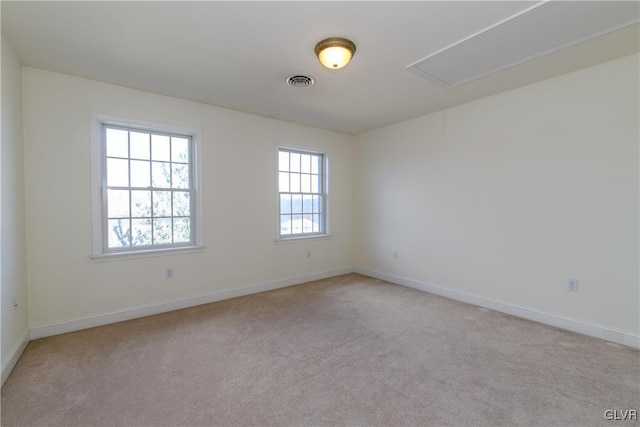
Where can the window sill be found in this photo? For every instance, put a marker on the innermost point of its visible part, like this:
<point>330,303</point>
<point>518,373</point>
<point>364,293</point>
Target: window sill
<point>122,256</point>
<point>299,239</point>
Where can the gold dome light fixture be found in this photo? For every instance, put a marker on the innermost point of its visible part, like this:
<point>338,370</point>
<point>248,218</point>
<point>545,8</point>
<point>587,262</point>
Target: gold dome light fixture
<point>335,52</point>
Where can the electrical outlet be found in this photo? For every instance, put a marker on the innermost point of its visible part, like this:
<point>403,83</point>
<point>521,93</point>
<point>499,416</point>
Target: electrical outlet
<point>572,285</point>
<point>168,273</point>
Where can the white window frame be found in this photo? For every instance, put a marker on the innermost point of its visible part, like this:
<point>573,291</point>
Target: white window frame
<point>98,180</point>
<point>326,233</point>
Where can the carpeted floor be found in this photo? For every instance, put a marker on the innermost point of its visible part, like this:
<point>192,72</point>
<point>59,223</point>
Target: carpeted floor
<point>349,351</point>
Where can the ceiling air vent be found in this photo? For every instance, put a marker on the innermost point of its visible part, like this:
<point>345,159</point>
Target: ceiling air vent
<point>539,30</point>
<point>300,81</point>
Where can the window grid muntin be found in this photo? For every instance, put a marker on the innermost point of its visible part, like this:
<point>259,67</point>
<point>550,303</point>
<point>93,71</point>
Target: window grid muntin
<point>318,227</point>
<point>131,247</point>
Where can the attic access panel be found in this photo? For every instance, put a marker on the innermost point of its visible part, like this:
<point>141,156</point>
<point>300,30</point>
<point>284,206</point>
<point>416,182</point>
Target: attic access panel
<point>542,29</point>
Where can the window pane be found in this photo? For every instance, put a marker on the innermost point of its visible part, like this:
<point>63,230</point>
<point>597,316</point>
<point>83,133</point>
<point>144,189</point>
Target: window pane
<point>315,164</point>
<point>140,173</point>
<point>140,145</point>
<point>285,203</point>
<point>118,203</point>
<point>285,224</point>
<point>161,175</point>
<point>141,232</point>
<point>307,224</point>
<point>160,148</point>
<point>305,163</point>
<point>296,205</point>
<point>305,184</point>
<point>317,206</point>
<point>161,203</point>
<point>162,230</point>
<point>283,161</point>
<point>300,197</point>
<point>180,175</point>
<point>149,178</point>
<point>315,183</point>
<point>283,179</point>
<point>117,142</point>
<point>318,222</point>
<point>117,173</point>
<point>295,183</point>
<point>296,224</point>
<point>307,203</point>
<point>179,150</point>
<point>181,205</point>
<point>295,162</point>
<point>181,230</point>
<point>118,233</point>
<point>140,204</point>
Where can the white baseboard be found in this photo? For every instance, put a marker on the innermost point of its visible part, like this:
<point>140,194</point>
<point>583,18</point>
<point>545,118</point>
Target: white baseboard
<point>39,331</point>
<point>71,325</point>
<point>626,338</point>
<point>12,358</point>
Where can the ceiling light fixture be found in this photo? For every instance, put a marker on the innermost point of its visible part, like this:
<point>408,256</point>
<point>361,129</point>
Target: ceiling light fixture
<point>335,52</point>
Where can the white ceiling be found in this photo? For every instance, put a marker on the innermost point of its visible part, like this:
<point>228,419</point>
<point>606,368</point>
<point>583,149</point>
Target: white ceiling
<point>238,54</point>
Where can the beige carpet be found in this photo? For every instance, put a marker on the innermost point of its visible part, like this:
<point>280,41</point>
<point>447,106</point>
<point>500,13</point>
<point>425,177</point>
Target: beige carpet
<point>349,351</point>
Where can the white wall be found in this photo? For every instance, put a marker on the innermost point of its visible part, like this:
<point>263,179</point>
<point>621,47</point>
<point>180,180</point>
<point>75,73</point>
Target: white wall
<point>504,198</point>
<point>13,273</point>
<point>507,197</point>
<point>238,171</point>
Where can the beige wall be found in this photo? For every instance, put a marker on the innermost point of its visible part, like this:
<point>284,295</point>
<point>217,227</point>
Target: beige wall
<point>504,198</point>
<point>238,184</point>
<point>13,267</point>
<point>508,197</point>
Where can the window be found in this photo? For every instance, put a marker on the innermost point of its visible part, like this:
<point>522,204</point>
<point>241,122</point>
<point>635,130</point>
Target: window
<point>302,194</point>
<point>147,190</point>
